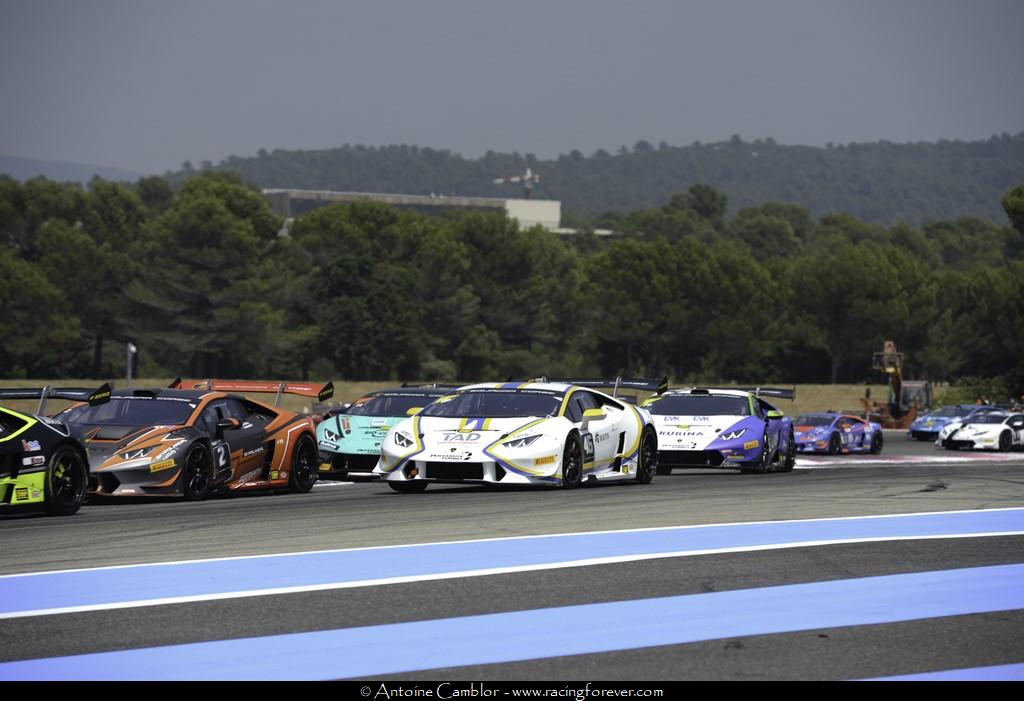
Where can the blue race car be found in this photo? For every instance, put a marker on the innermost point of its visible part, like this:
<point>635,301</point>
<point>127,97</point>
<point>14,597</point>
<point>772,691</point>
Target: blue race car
<point>729,428</point>
<point>833,433</point>
<point>927,427</point>
<point>349,441</point>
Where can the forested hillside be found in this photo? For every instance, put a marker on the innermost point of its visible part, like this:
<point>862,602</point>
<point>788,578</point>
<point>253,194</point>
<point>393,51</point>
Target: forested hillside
<point>879,183</point>
<point>200,280</point>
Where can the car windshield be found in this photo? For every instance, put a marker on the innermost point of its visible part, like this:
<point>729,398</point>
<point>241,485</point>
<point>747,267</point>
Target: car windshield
<point>814,420</point>
<point>986,419</point>
<point>131,411</point>
<point>496,403</point>
<point>389,404</point>
<point>954,410</point>
<point>700,405</point>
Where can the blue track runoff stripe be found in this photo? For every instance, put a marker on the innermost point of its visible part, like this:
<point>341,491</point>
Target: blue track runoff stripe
<point>997,673</point>
<point>161,583</point>
<point>571,630</point>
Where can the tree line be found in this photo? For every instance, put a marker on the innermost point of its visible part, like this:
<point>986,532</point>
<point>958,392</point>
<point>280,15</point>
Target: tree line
<point>203,280</point>
<point>879,183</point>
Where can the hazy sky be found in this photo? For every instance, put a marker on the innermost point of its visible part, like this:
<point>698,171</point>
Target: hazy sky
<point>147,84</point>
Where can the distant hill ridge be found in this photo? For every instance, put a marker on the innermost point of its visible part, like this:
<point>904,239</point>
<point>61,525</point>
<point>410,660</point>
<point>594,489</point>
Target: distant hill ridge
<point>879,182</point>
<point>62,171</point>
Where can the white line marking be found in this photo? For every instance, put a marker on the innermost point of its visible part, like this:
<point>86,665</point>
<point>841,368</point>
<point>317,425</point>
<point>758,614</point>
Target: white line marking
<point>407,579</point>
<point>510,538</point>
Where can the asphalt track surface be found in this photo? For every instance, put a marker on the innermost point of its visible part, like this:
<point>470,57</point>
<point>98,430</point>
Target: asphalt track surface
<point>850,567</point>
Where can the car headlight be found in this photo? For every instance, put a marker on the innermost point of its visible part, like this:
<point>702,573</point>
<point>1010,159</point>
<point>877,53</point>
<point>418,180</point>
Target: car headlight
<point>521,442</point>
<point>331,436</point>
<point>137,453</point>
<point>403,440</point>
<point>732,435</point>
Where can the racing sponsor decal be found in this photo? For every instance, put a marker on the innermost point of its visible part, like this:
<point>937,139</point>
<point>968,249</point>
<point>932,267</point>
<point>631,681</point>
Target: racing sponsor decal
<point>254,451</point>
<point>250,475</point>
<point>378,422</point>
<point>274,473</point>
<point>547,460</point>
<point>31,446</point>
<point>751,444</point>
<point>162,465</point>
<point>20,493</point>
<point>169,451</point>
<point>452,454</point>
<point>324,467</point>
<point>450,437</point>
<point>33,460</point>
<point>328,444</point>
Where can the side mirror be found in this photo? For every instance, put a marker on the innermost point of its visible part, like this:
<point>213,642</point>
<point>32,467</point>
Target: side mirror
<point>774,414</point>
<point>227,425</point>
<point>413,410</point>
<point>592,415</point>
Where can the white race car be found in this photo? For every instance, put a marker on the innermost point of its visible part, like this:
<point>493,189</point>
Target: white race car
<point>545,433</point>
<point>984,432</point>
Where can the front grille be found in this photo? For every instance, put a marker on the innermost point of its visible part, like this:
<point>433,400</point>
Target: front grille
<point>690,458</point>
<point>454,470</point>
<point>924,435</point>
<point>360,463</point>
<point>957,444</point>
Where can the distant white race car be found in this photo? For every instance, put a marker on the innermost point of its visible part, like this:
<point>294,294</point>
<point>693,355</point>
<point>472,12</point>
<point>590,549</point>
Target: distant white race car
<point>544,433</point>
<point>984,432</point>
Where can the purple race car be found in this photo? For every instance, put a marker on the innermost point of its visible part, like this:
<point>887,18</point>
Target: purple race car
<point>833,433</point>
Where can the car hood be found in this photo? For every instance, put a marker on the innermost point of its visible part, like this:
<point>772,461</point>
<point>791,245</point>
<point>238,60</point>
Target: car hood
<point>105,443</point>
<point>354,434</point>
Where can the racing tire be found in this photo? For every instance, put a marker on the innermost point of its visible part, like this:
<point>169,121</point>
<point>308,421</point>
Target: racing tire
<point>647,457</point>
<point>1005,441</point>
<point>572,462</point>
<point>304,465</point>
<point>876,444</point>
<point>764,461</point>
<point>408,486</point>
<point>835,444</point>
<point>67,476</point>
<point>789,461</point>
<point>197,477</point>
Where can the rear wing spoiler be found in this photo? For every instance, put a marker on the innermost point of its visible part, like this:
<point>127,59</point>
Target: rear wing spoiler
<point>649,385</point>
<point>431,385</point>
<point>94,396</point>
<point>321,392</point>
<point>770,392</point>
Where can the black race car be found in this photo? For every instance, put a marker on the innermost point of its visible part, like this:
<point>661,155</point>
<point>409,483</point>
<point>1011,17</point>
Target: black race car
<point>41,463</point>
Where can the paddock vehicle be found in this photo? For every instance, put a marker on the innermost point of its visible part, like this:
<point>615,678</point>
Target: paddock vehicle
<point>349,439</point>
<point>728,428</point>
<point>41,463</point>
<point>984,431</point>
<point>545,432</point>
<point>833,433</point>
<point>195,438</point>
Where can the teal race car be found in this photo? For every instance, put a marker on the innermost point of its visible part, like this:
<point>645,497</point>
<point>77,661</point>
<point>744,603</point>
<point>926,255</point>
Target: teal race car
<point>349,441</point>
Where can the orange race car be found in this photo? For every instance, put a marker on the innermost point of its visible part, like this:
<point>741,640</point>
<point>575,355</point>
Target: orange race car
<point>197,437</point>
